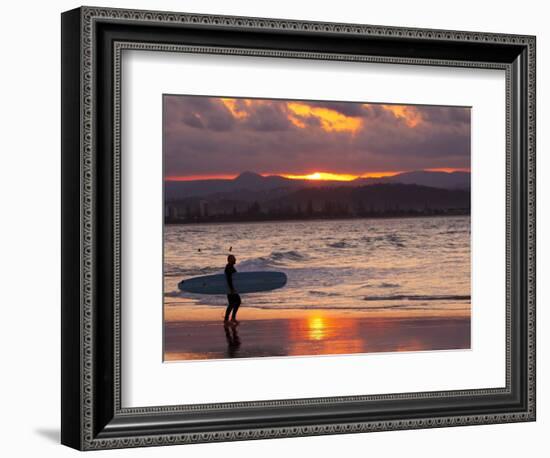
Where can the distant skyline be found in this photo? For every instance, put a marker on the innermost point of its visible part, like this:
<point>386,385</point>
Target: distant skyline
<point>213,137</point>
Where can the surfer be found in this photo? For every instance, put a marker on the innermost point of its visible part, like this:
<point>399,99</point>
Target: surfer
<point>233,298</point>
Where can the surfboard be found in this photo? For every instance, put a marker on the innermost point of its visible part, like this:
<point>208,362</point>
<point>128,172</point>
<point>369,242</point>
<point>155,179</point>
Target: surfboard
<point>244,282</point>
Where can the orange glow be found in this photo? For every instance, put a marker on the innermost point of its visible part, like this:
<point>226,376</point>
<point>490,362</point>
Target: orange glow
<point>409,114</point>
<point>200,177</point>
<point>331,120</point>
<point>447,170</point>
<point>328,176</point>
<point>320,333</point>
<point>380,174</point>
<point>323,176</point>
<point>315,176</point>
<point>296,121</point>
<point>316,328</point>
<point>236,111</point>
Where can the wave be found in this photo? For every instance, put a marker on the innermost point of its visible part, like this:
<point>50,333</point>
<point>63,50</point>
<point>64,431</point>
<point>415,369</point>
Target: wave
<point>359,308</point>
<point>274,259</point>
<point>372,238</point>
<point>380,285</point>
<point>172,271</point>
<point>395,240</point>
<point>389,285</point>
<point>323,293</point>
<point>291,255</point>
<point>413,297</point>
<point>455,231</point>
<point>350,307</point>
<point>341,244</point>
<point>392,239</point>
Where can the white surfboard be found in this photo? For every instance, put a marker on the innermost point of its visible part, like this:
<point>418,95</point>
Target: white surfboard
<point>244,282</point>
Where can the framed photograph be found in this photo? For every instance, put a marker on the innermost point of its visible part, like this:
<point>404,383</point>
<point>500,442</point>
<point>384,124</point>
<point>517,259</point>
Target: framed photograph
<point>278,228</point>
<point>335,250</point>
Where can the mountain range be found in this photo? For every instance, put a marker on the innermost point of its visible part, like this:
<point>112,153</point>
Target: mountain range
<point>250,186</point>
<point>252,197</point>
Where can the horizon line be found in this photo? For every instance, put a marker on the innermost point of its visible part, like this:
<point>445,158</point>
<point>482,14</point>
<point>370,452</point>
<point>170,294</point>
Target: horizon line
<point>317,175</point>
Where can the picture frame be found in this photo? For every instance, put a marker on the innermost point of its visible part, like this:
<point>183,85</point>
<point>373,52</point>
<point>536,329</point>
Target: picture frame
<point>93,416</point>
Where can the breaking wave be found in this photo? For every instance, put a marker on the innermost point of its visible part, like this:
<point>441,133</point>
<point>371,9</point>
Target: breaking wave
<point>323,293</point>
<point>172,271</point>
<point>413,297</point>
<point>341,244</point>
<point>275,259</point>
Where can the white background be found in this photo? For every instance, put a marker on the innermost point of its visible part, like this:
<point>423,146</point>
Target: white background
<point>30,241</point>
<point>147,75</point>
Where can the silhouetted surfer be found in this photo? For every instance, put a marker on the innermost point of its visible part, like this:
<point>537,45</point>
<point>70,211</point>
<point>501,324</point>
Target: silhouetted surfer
<point>233,298</point>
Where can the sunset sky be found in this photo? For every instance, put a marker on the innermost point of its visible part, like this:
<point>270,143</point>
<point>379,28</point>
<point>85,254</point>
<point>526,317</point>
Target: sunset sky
<point>213,137</point>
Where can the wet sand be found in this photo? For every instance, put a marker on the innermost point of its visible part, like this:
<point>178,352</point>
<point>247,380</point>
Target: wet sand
<point>203,335</point>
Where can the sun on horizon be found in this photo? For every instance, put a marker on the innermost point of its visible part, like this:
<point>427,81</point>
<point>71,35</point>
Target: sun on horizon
<point>329,176</point>
<point>316,175</point>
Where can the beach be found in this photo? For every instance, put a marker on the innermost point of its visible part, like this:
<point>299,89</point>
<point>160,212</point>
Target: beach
<point>354,286</point>
<point>203,335</point>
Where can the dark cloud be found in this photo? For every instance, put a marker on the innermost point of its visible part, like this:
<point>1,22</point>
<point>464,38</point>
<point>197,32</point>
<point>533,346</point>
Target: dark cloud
<point>210,136</point>
<point>267,118</point>
<point>189,109</point>
<point>345,108</point>
<point>445,115</point>
<point>192,120</point>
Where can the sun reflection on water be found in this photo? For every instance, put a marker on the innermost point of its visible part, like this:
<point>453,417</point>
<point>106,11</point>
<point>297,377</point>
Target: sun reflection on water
<point>316,328</point>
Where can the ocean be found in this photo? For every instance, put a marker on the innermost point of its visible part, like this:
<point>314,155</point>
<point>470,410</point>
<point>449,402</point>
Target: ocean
<point>400,265</point>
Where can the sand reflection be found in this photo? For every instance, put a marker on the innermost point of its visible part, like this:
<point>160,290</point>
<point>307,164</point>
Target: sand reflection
<point>313,334</point>
<point>233,340</point>
<point>317,328</point>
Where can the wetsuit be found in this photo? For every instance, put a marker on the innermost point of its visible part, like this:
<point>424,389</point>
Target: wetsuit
<point>233,299</point>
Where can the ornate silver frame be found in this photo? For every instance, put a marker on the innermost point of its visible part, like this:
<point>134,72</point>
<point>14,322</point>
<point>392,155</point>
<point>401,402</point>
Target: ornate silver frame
<point>93,417</point>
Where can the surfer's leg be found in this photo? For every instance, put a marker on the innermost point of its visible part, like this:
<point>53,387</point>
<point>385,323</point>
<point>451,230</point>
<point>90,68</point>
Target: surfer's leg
<point>227,312</point>
<point>236,305</point>
<point>228,309</point>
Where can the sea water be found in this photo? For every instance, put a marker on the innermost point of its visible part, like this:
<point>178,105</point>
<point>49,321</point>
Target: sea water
<point>393,264</point>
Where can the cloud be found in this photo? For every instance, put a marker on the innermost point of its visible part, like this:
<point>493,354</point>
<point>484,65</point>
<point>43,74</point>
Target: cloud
<point>410,115</point>
<point>328,119</point>
<point>210,136</point>
<point>190,110</point>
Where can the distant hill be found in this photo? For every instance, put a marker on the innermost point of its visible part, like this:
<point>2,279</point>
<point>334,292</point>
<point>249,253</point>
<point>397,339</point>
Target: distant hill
<point>445,180</point>
<point>246,183</point>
